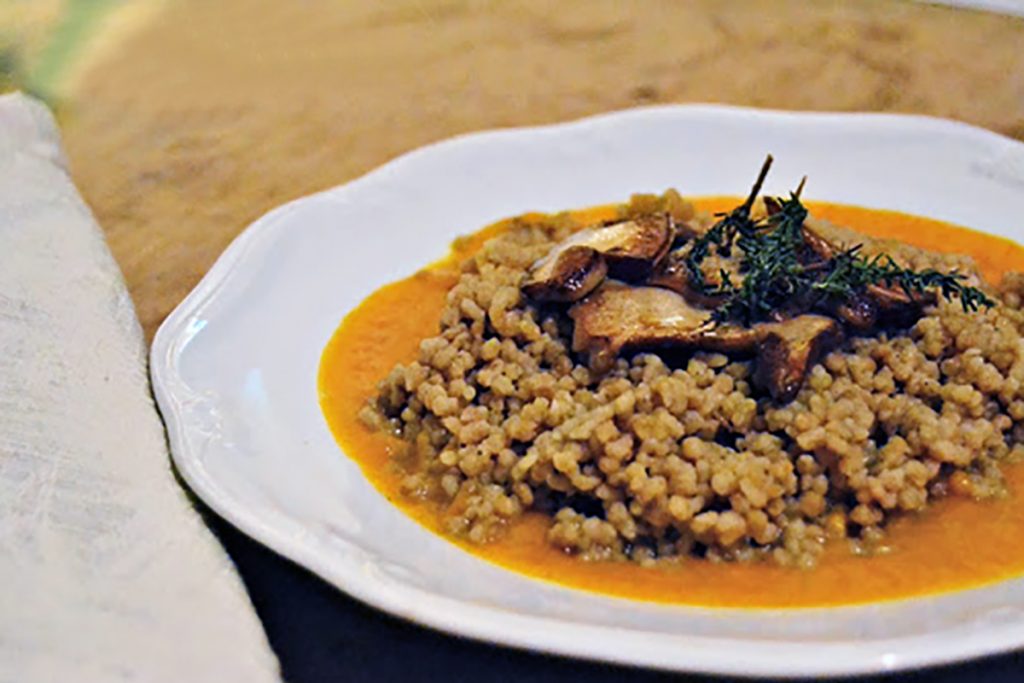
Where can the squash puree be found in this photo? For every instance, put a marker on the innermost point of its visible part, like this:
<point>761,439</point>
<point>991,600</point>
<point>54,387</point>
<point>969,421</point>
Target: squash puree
<point>956,543</point>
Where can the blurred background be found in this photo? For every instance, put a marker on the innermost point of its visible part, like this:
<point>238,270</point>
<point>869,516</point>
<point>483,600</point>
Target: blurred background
<point>184,120</point>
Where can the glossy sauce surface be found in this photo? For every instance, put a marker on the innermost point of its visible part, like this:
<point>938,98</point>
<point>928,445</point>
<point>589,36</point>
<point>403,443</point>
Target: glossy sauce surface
<point>956,543</point>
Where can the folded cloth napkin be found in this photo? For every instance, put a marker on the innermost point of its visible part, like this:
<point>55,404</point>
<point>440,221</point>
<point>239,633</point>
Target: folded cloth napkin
<point>106,571</point>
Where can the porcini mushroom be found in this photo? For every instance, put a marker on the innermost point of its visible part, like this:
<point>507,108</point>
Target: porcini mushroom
<point>618,318</point>
<point>567,276</point>
<point>879,302</point>
<point>628,250</point>
<point>787,350</point>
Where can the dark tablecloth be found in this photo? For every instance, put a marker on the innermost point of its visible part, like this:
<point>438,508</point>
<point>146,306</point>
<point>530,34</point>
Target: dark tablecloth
<point>321,635</point>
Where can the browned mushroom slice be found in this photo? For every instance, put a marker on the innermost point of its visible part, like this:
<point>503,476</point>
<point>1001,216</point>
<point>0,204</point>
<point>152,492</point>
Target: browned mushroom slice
<point>889,304</point>
<point>787,350</point>
<point>896,307</point>
<point>566,276</point>
<point>860,312</point>
<point>619,318</point>
<point>634,248</point>
<point>673,274</point>
<point>821,247</point>
<point>893,298</point>
<point>628,250</point>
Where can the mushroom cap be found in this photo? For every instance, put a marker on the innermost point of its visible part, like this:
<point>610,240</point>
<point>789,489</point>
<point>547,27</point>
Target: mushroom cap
<point>567,276</point>
<point>628,250</point>
<point>787,350</point>
<point>619,318</point>
<point>673,274</point>
<point>880,303</point>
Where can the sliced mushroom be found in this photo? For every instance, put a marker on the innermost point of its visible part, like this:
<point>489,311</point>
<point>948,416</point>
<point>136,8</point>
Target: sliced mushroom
<point>628,250</point>
<point>891,298</point>
<point>786,351</point>
<point>896,307</point>
<point>635,248</point>
<point>823,248</point>
<point>880,303</point>
<point>673,274</point>
<point>567,276</point>
<point>859,312</point>
<point>617,318</point>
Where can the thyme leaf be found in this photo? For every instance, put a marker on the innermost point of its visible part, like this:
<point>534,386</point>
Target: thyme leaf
<point>723,233</point>
<point>783,274</point>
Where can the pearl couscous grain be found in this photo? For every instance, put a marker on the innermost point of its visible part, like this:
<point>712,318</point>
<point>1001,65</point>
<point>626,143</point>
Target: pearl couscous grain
<point>664,458</point>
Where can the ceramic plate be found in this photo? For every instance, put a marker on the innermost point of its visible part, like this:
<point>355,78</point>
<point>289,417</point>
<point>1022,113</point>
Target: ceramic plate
<point>235,366</point>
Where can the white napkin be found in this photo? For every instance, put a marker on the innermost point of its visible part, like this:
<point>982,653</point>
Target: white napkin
<point>106,571</point>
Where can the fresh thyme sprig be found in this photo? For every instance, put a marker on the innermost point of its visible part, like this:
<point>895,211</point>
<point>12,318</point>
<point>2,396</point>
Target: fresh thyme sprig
<point>851,270</point>
<point>723,233</point>
<point>781,273</point>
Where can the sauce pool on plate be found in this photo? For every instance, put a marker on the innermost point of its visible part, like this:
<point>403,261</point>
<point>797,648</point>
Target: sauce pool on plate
<point>958,543</point>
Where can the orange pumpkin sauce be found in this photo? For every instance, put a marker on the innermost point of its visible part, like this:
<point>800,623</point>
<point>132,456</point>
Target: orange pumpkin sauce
<point>957,543</point>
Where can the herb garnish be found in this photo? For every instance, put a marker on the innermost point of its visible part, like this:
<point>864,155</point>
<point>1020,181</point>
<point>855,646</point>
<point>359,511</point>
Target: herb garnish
<point>782,273</point>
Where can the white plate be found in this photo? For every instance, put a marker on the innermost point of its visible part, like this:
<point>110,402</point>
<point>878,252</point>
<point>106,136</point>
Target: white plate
<point>234,369</point>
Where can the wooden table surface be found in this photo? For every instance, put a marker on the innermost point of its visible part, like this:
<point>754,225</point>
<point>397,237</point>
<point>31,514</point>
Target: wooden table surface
<point>214,112</point>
